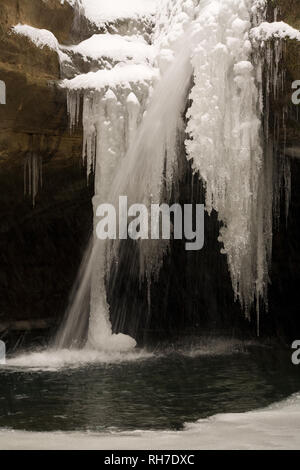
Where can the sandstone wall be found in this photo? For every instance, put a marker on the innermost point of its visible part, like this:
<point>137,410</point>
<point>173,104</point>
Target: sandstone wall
<point>40,247</point>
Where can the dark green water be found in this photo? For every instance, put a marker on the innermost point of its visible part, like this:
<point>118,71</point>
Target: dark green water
<point>161,392</point>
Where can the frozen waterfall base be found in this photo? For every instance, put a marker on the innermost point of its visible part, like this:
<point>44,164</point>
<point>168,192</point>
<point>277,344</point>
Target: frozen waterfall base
<point>111,343</point>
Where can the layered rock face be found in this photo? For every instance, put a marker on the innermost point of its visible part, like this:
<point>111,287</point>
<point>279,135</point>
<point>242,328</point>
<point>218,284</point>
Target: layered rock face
<point>283,319</point>
<point>41,246</point>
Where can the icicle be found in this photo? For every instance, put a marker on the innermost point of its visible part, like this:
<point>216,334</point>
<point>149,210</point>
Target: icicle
<point>32,176</point>
<point>133,107</point>
<point>73,108</point>
<point>269,54</point>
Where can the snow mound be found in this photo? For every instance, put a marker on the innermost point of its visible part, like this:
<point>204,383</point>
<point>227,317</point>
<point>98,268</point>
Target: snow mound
<point>115,47</point>
<point>40,38</point>
<point>277,30</point>
<point>120,75</point>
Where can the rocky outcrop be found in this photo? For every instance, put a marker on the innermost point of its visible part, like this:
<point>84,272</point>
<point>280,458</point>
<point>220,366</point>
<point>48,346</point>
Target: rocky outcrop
<point>289,12</point>
<point>40,247</point>
<point>35,109</point>
<point>283,317</point>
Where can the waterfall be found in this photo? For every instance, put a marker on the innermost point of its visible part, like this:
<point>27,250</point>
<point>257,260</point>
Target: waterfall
<point>131,142</point>
<point>137,173</point>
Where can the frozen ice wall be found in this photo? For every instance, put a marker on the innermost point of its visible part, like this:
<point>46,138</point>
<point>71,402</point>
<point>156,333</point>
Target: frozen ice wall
<point>237,69</point>
<point>236,57</point>
<point>225,144</point>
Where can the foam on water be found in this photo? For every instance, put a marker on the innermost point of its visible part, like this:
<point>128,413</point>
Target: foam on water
<point>54,360</point>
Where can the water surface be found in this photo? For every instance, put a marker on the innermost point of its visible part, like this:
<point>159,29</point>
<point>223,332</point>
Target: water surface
<point>161,390</point>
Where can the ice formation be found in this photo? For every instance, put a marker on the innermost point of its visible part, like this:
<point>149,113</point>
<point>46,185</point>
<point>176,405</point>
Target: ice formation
<point>225,45</point>
<point>268,41</point>
<point>224,142</point>
<point>113,103</point>
<point>33,175</point>
<point>110,118</point>
<point>173,19</point>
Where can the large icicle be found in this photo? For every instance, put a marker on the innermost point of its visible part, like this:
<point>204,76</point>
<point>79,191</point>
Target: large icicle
<point>229,113</point>
<point>225,141</point>
<point>110,117</point>
<point>114,118</point>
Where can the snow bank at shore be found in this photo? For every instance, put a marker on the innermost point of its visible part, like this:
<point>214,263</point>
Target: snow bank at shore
<point>275,427</point>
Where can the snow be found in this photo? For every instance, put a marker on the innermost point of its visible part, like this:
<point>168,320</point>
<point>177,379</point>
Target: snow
<point>120,75</point>
<point>40,38</point>
<point>103,11</point>
<point>71,2</point>
<point>276,30</point>
<point>115,47</point>
<point>274,428</point>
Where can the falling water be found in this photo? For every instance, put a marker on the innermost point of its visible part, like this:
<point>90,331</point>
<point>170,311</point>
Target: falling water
<point>139,175</point>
